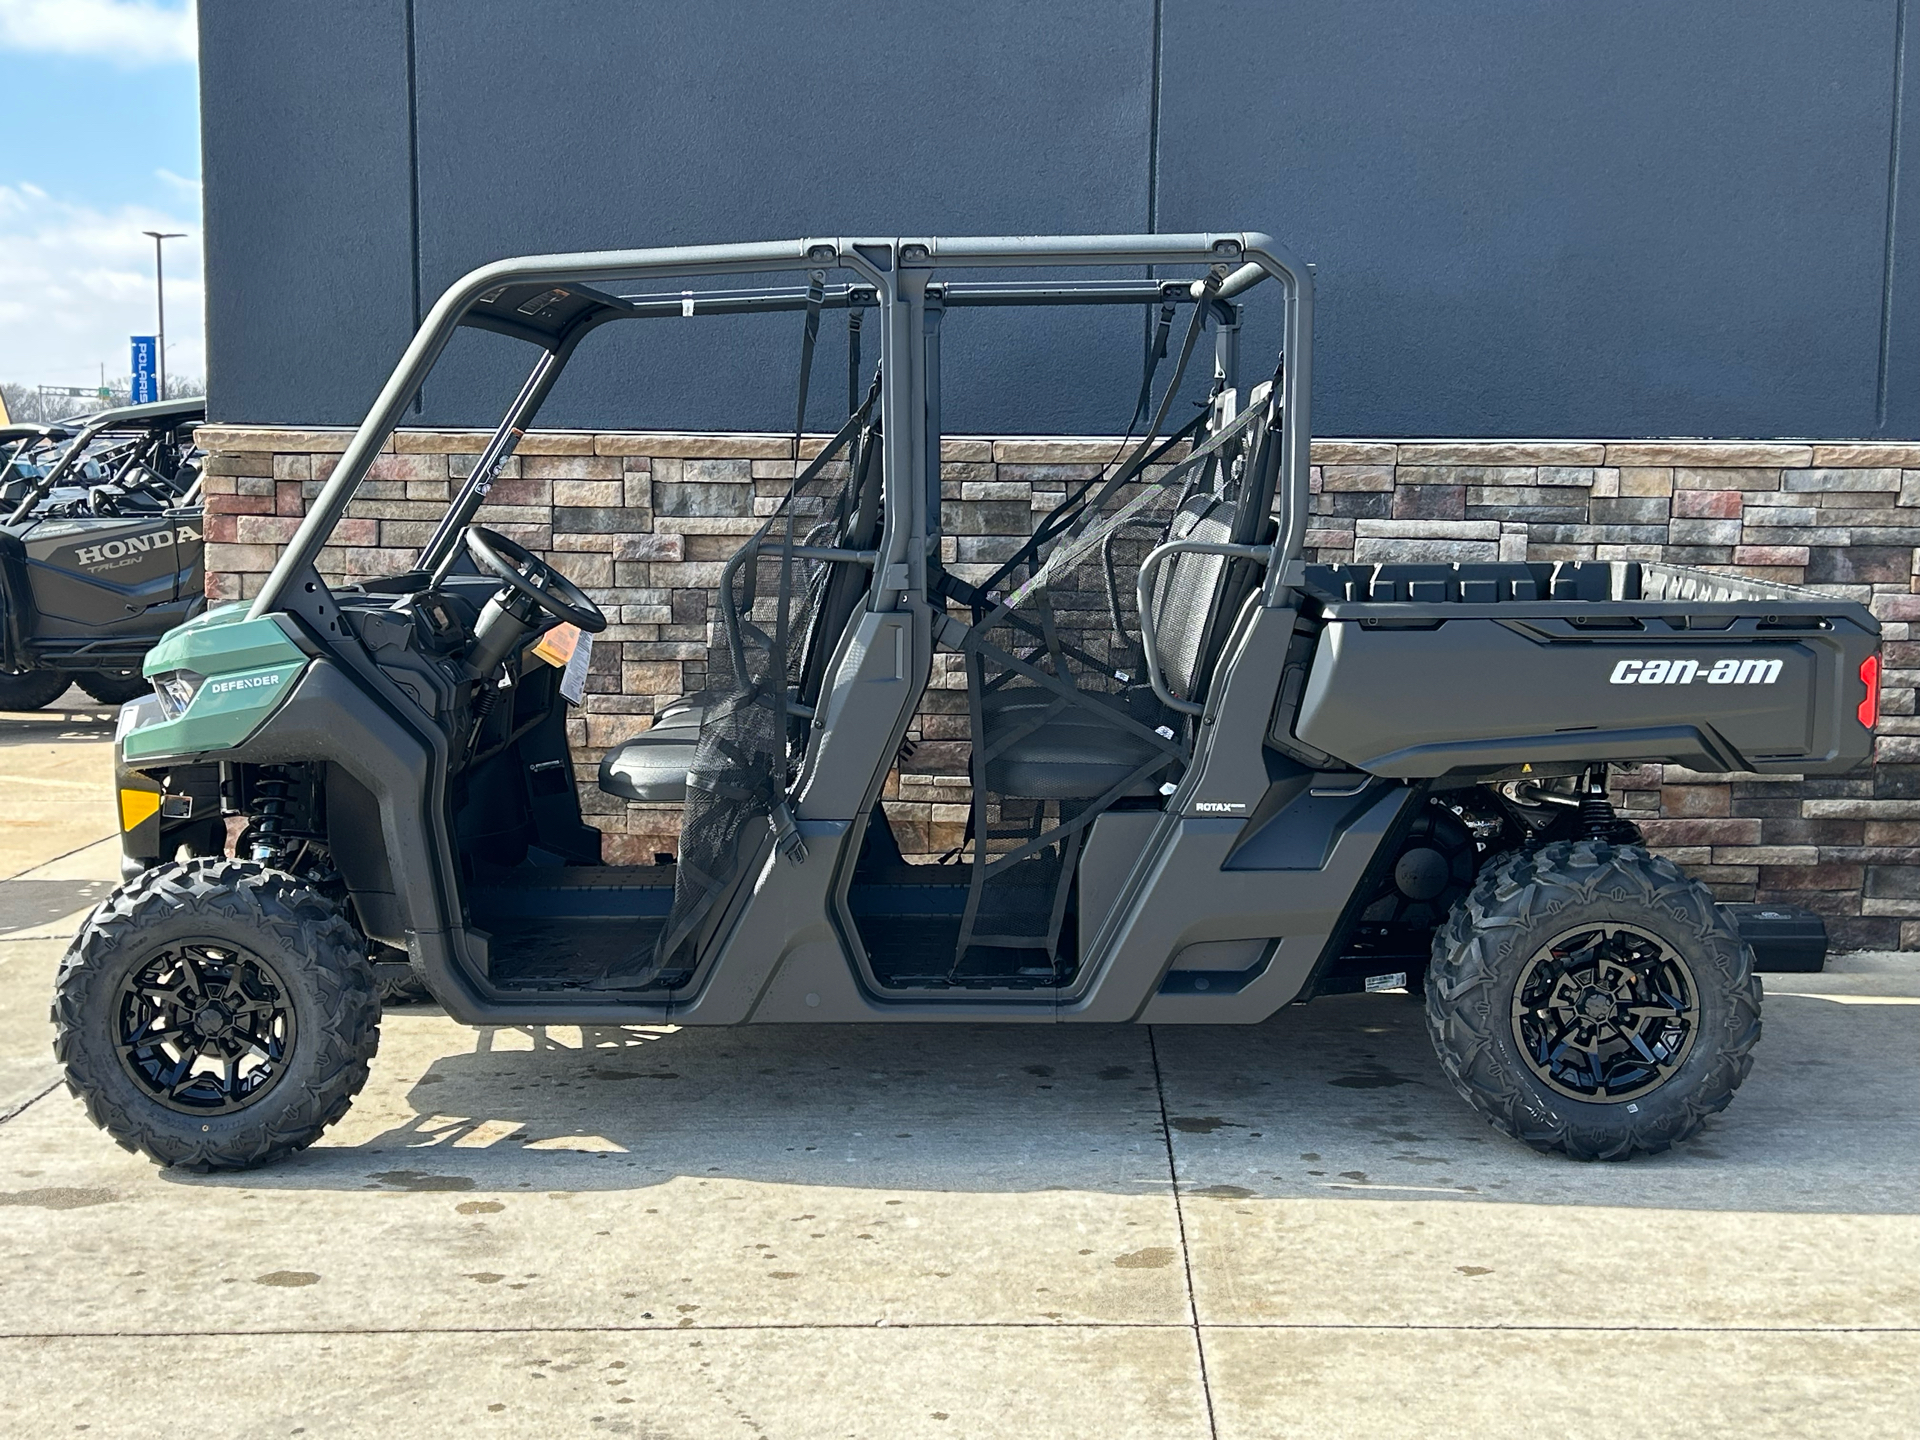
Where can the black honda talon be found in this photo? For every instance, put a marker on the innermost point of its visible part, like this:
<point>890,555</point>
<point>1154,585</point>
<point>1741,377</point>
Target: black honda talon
<point>100,551</point>
<point>1208,780</point>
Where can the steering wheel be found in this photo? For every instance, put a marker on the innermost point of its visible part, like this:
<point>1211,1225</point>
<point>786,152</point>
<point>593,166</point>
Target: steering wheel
<point>529,575</point>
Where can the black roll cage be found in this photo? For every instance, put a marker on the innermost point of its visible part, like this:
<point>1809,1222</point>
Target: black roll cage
<point>552,302</point>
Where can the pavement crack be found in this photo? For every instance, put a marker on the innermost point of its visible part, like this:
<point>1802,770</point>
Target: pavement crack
<point>1299,1326</point>
<point>21,1108</point>
<point>55,859</point>
<point>1180,1224</point>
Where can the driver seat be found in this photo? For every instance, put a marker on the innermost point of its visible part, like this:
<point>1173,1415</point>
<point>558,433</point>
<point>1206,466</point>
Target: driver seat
<point>653,765</point>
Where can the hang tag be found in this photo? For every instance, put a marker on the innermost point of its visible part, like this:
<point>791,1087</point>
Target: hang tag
<point>556,647</point>
<point>569,650</point>
<point>573,680</point>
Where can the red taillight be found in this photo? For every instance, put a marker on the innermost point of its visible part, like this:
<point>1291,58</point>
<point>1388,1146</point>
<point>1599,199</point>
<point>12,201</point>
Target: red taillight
<point>1869,710</point>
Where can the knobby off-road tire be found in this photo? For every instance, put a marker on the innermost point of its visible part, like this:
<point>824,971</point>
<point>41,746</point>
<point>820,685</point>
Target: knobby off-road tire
<point>1510,930</point>
<point>32,689</point>
<point>114,687</point>
<point>295,973</point>
<point>396,984</point>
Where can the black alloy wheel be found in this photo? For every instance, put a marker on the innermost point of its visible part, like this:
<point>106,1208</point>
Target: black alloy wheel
<point>205,1028</point>
<point>216,1014</point>
<point>1591,1000</point>
<point>1605,1012</point>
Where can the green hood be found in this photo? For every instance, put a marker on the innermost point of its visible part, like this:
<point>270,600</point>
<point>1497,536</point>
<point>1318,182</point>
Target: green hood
<point>244,668</point>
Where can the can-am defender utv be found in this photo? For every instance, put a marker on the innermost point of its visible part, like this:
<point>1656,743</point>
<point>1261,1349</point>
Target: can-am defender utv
<point>1207,779</point>
<point>100,551</point>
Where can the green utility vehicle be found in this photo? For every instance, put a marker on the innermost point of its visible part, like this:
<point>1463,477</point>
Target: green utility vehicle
<point>1207,779</point>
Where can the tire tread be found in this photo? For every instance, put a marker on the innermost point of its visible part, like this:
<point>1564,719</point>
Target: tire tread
<point>297,922</point>
<point>1467,1003</point>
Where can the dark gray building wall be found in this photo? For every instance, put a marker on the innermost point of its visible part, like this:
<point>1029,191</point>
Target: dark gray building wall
<point>307,204</point>
<point>1638,219</point>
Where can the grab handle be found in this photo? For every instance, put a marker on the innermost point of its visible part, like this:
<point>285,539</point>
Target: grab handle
<point>1149,648</point>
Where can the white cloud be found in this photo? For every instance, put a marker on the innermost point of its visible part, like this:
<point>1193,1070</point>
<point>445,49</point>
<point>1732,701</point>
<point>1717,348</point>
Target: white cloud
<point>75,282</point>
<point>128,33</point>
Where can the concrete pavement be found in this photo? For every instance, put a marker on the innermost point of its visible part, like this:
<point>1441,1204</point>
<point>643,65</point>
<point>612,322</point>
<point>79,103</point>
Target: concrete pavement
<point>1294,1229</point>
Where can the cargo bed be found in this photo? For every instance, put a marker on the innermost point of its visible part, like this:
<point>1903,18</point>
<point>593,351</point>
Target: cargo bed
<point>1485,670</point>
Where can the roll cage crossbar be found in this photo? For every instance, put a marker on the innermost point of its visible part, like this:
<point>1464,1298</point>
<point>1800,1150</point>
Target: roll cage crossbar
<point>152,418</point>
<point>555,301</point>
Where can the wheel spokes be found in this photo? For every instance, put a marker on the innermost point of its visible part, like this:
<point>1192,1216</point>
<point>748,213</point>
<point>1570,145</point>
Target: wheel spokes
<point>248,1027</point>
<point>1604,1012</point>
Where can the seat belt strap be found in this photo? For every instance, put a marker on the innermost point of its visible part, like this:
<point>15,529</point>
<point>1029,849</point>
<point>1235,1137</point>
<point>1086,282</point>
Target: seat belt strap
<point>789,838</point>
<point>1209,288</point>
<point>816,292</point>
<point>1156,352</point>
<point>853,357</point>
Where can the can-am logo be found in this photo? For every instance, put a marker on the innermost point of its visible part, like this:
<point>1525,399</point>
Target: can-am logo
<point>244,682</point>
<point>1685,672</point>
<point>97,557</point>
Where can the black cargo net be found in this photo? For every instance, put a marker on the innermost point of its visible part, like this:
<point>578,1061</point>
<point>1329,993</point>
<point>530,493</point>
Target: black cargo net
<point>1064,721</point>
<point>768,645</point>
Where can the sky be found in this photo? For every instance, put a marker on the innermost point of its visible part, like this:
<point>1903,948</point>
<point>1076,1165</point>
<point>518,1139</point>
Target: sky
<point>99,140</point>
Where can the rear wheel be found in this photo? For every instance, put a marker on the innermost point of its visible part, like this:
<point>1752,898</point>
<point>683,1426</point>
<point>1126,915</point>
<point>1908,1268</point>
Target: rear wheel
<point>394,980</point>
<point>1592,1000</point>
<point>32,689</point>
<point>216,1014</point>
<point>114,687</point>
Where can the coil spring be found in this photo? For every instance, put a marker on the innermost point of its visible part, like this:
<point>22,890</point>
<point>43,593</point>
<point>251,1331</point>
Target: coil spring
<point>270,798</point>
<point>1596,818</point>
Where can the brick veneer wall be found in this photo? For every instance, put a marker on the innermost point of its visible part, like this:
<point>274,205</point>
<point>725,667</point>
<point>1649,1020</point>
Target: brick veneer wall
<point>644,521</point>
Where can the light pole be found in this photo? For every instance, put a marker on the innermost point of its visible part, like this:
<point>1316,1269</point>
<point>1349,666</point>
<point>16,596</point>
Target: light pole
<point>160,294</point>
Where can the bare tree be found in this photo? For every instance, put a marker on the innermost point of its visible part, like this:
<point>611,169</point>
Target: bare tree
<point>42,405</point>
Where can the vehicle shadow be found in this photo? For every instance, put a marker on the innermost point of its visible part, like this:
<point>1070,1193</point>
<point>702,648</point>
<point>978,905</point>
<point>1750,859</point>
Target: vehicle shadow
<point>74,716</point>
<point>1339,1100</point>
<point>32,904</point>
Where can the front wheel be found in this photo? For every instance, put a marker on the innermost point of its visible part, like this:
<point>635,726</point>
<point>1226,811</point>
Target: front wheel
<point>31,689</point>
<point>216,1014</point>
<point>1592,1000</point>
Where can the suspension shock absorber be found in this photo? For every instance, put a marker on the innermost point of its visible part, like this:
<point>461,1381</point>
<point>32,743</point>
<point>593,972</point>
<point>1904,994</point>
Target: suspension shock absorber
<point>1596,818</point>
<point>272,792</point>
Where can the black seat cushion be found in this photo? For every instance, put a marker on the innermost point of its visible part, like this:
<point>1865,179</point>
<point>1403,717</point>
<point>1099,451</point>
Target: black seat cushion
<point>1072,757</point>
<point>653,765</point>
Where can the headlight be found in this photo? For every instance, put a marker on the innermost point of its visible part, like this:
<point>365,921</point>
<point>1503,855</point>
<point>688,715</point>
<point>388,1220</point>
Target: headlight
<point>175,690</point>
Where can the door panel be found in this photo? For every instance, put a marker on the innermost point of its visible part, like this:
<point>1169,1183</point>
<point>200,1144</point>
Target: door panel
<point>105,572</point>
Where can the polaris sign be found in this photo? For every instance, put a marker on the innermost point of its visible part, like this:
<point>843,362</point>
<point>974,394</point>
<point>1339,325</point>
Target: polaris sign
<point>145,386</point>
<point>1685,672</point>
